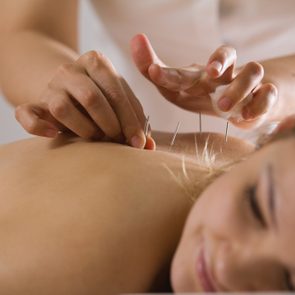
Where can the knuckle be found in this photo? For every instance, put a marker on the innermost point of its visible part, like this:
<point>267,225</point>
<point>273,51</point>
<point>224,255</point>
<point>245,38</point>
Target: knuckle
<point>89,98</point>
<point>59,108</point>
<point>61,73</point>
<point>93,58</point>
<point>65,68</point>
<point>115,96</point>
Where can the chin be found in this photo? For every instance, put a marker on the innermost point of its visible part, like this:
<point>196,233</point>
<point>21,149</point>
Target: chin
<point>181,278</point>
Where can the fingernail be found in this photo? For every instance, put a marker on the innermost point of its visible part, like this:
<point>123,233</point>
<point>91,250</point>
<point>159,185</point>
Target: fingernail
<point>216,65</point>
<point>51,132</point>
<point>137,141</point>
<point>150,144</point>
<point>225,104</point>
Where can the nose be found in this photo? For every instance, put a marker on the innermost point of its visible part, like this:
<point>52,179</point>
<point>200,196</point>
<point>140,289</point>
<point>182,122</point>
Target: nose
<point>246,267</point>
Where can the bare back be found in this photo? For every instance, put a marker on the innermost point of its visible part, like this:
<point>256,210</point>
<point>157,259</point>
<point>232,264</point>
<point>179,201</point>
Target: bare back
<point>85,217</point>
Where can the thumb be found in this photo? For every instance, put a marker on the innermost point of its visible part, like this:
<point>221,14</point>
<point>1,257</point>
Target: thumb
<point>143,54</point>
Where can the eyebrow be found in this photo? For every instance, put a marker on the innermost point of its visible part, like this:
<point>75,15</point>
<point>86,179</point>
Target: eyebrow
<point>271,195</point>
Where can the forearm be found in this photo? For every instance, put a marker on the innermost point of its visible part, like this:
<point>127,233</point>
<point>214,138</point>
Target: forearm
<point>281,72</point>
<point>28,60</point>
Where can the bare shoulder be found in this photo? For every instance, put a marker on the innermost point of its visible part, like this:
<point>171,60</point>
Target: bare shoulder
<point>195,144</point>
<point>100,197</point>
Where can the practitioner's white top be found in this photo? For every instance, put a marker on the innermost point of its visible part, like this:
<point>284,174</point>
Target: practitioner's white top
<point>184,32</point>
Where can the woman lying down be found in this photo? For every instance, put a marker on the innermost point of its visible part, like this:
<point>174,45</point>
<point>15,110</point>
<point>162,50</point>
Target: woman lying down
<point>102,218</point>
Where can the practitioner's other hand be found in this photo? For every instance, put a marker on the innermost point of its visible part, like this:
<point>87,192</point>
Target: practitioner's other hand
<point>190,87</point>
<point>89,99</point>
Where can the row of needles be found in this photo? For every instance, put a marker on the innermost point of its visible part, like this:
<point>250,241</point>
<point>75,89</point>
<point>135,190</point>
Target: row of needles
<point>147,128</point>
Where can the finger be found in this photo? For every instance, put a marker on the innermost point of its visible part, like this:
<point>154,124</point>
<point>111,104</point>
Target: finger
<point>249,77</point>
<point>175,79</point>
<point>103,73</point>
<point>183,91</point>
<point>170,92</point>
<point>161,77</point>
<point>84,90</point>
<point>150,144</point>
<point>30,117</point>
<point>134,102</point>
<point>62,109</point>
<point>263,100</point>
<point>221,61</point>
<point>143,54</point>
<point>93,100</point>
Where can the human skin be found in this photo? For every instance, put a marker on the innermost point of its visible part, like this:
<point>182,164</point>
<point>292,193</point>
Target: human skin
<point>94,218</point>
<point>245,236</point>
<point>38,37</point>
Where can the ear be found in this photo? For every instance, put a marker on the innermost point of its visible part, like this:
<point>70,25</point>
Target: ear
<point>143,54</point>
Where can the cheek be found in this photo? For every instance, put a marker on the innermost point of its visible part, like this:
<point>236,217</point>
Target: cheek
<point>220,209</point>
<point>218,214</point>
<point>183,269</point>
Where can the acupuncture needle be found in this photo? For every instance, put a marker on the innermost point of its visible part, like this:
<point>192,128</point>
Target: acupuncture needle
<point>200,122</point>
<point>174,136</point>
<point>146,126</point>
<point>226,131</point>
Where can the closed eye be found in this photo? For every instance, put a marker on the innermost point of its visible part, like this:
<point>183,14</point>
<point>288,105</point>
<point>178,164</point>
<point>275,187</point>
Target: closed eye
<point>289,283</point>
<point>254,205</point>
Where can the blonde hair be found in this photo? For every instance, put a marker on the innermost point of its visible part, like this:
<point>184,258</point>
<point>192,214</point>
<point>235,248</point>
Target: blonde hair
<point>208,170</point>
<point>193,185</point>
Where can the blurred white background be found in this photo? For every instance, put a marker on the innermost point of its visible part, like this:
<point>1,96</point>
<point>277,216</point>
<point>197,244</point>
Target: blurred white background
<point>89,27</point>
<point>10,130</point>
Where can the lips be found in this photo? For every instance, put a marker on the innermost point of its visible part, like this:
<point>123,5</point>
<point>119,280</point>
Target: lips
<point>203,273</point>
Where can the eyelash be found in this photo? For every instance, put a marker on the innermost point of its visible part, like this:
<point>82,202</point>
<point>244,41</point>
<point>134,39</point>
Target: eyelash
<point>254,206</point>
<point>289,284</point>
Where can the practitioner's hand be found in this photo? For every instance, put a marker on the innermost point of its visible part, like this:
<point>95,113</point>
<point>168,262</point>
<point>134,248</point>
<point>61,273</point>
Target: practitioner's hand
<point>87,98</point>
<point>190,87</point>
